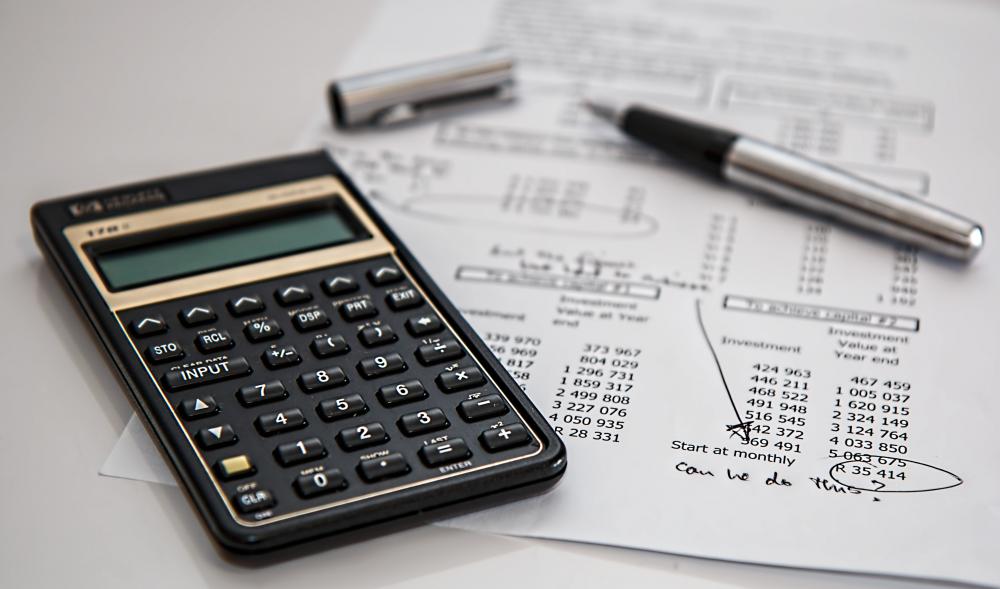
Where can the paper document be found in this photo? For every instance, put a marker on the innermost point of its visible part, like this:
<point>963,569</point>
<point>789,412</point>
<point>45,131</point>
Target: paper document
<point>733,379</point>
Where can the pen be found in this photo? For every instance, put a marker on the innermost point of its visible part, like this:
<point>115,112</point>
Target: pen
<point>798,180</point>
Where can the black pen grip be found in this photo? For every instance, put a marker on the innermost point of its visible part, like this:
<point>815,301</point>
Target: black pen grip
<point>699,145</point>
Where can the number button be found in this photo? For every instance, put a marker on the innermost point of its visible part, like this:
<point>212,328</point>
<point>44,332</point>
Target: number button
<point>323,379</point>
<point>482,408</point>
<point>342,408</point>
<point>362,436</point>
<point>331,345</point>
<point>147,326</point>
<point>280,357</point>
<point>310,320</point>
<point>198,407</point>
<point>216,437</point>
<point>445,452</point>
<point>359,309</point>
<point>401,300</point>
<point>339,285</point>
<point>504,438</point>
<point>381,365</point>
<point>459,379</point>
<point>265,392</point>
<point>384,275</point>
<point>282,421</point>
<point>165,352</point>
<point>383,467</point>
<point>320,483</point>
<point>422,422</point>
<point>403,392</point>
<point>198,315</point>
<point>292,295</point>
<point>299,452</point>
<point>213,341</point>
<point>423,325</point>
<point>438,352</point>
<point>245,305</point>
<point>262,330</point>
<point>377,335</point>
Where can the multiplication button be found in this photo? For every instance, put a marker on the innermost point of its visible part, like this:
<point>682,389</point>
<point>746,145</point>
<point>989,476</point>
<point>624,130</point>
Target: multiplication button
<point>459,379</point>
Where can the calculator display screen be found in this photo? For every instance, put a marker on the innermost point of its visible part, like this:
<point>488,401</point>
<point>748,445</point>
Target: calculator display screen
<point>223,247</point>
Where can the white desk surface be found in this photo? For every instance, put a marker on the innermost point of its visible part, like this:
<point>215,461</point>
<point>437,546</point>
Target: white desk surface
<point>96,94</point>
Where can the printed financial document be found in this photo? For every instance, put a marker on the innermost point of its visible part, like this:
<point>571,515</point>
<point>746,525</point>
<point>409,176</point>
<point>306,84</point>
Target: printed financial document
<point>733,379</point>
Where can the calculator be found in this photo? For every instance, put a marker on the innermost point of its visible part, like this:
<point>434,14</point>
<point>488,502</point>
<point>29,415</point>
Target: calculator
<point>299,369</point>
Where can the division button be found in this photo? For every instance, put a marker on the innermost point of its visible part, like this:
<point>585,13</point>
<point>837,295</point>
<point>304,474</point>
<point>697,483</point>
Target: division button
<point>422,422</point>
<point>300,451</point>
<point>292,295</point>
<point>262,330</point>
<point>377,335</point>
<point>235,467</point>
<point>376,469</point>
<point>310,320</point>
<point>338,285</point>
<point>200,374</point>
<point>198,315</point>
<point>404,299</point>
<point>213,341</point>
<point>442,351</point>
<point>459,379</point>
<point>216,437</point>
<point>151,325</point>
<point>384,275</point>
<point>331,345</point>
<point>423,325</point>
<point>362,436</point>
<point>359,309</point>
<point>276,357</point>
<point>482,408</point>
<point>165,352</point>
<point>320,483</point>
<point>265,392</point>
<point>282,421</point>
<point>342,407</point>
<point>503,438</point>
<point>245,305</point>
<point>402,392</point>
<point>445,452</point>
<point>256,500</point>
<point>198,407</point>
<point>322,379</point>
<point>381,365</point>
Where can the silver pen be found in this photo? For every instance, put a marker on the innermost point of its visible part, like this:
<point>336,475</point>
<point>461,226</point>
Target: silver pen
<point>798,180</point>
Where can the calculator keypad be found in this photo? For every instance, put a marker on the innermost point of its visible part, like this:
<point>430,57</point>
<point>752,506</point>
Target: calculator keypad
<point>324,386</point>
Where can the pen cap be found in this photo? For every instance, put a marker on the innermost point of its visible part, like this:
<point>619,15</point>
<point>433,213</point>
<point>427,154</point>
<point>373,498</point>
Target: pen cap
<point>419,90</point>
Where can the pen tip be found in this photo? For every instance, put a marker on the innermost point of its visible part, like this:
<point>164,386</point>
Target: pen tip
<point>603,109</point>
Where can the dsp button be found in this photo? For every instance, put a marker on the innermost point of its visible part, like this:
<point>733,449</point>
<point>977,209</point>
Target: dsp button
<point>193,376</point>
<point>216,437</point>
<point>504,438</point>
<point>299,452</point>
<point>198,315</point>
<point>245,305</point>
<point>320,483</point>
<point>438,352</point>
<point>444,452</point>
<point>383,467</point>
<point>482,408</point>
<point>214,341</point>
<point>459,379</point>
<point>293,295</point>
<point>146,326</point>
<point>256,500</point>
<point>404,299</point>
<point>165,352</point>
<point>310,320</point>
<point>384,275</point>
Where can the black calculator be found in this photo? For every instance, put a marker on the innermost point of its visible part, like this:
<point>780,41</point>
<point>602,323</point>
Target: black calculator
<point>300,370</point>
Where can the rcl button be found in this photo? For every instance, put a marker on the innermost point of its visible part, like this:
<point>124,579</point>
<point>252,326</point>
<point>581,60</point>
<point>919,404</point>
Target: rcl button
<point>213,341</point>
<point>254,501</point>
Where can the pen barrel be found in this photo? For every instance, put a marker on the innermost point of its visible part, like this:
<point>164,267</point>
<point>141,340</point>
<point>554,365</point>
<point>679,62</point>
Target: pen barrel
<point>815,186</point>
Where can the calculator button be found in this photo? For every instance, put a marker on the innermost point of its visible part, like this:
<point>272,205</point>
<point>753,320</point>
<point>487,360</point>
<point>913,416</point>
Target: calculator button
<point>322,379</point>
<point>320,483</point>
<point>482,408</point>
<point>359,309</point>
<point>263,330</point>
<point>376,469</point>
<point>442,351</point>
<point>362,436</point>
<point>151,325</point>
<point>216,437</point>
<point>331,345</point>
<point>423,325</point>
<point>292,295</point>
<point>165,352</point>
<point>381,365</point>
<point>445,452</point>
<point>342,407</point>
<point>193,376</point>
<point>282,421</point>
<point>384,275</point>
<point>402,392</point>
<point>199,315</point>
<point>503,438</point>
<point>404,299</point>
<point>421,422</point>
<point>310,320</point>
<point>235,467</point>
<point>459,379</point>
<point>339,285</point>
<point>277,357</point>
<point>265,392</point>
<point>213,341</point>
<point>377,335</point>
<point>200,407</point>
<point>256,500</point>
<point>245,305</point>
<point>299,452</point>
